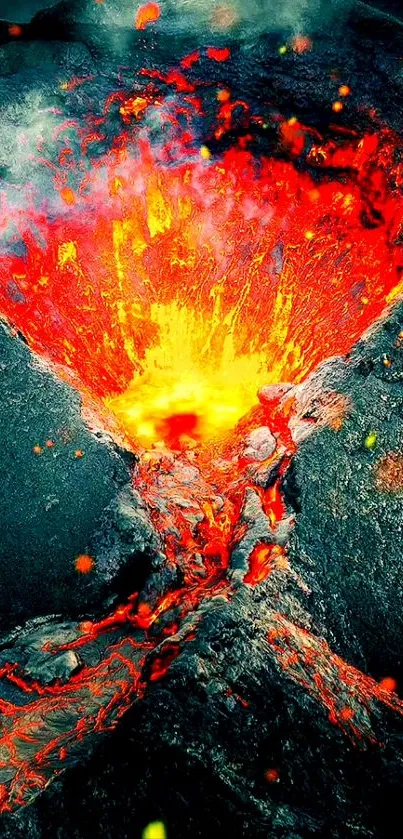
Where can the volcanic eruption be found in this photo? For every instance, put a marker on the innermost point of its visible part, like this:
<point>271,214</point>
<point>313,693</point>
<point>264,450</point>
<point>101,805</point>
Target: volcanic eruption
<point>193,259</point>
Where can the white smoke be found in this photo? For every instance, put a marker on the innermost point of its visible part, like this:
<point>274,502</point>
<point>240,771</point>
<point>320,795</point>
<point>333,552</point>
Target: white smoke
<point>228,17</point>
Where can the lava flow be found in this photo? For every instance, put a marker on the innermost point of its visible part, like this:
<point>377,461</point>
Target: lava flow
<point>170,286</point>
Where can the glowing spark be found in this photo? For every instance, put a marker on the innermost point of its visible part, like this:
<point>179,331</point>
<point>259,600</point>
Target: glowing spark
<point>388,684</point>
<point>68,196</point>
<point>147,14</point>
<point>84,564</point>
<point>15,31</point>
<point>301,44</point>
<point>155,830</point>
<point>371,440</point>
<point>205,153</point>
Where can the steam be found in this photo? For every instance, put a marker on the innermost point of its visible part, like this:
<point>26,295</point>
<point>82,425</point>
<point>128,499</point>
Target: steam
<point>229,17</point>
<point>32,109</point>
<point>258,16</point>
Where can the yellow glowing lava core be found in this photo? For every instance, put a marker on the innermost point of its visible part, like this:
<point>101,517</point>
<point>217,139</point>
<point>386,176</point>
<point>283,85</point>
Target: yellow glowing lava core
<point>184,373</point>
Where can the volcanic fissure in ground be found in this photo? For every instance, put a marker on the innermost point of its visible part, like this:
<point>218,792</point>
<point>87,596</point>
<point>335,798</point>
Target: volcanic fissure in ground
<point>201,360</point>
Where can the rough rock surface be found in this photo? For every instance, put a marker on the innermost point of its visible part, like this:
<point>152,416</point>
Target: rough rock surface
<point>347,541</point>
<point>63,493</point>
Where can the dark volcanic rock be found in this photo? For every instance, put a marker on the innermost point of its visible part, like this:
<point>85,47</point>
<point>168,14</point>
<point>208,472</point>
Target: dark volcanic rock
<point>348,534</point>
<point>22,11</point>
<point>200,748</point>
<point>63,501</point>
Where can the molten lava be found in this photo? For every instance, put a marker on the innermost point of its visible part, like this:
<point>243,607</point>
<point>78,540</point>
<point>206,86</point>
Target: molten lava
<point>182,376</point>
<point>181,290</point>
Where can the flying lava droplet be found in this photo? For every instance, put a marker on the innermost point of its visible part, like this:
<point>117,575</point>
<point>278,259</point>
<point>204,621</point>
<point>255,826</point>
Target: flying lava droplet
<point>146,14</point>
<point>15,31</point>
<point>155,830</point>
<point>84,564</point>
<point>388,684</point>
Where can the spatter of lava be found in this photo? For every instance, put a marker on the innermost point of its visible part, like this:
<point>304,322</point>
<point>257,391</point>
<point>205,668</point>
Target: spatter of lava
<point>171,285</point>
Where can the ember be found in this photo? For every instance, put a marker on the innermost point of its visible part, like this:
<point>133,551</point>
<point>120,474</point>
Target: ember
<point>147,14</point>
